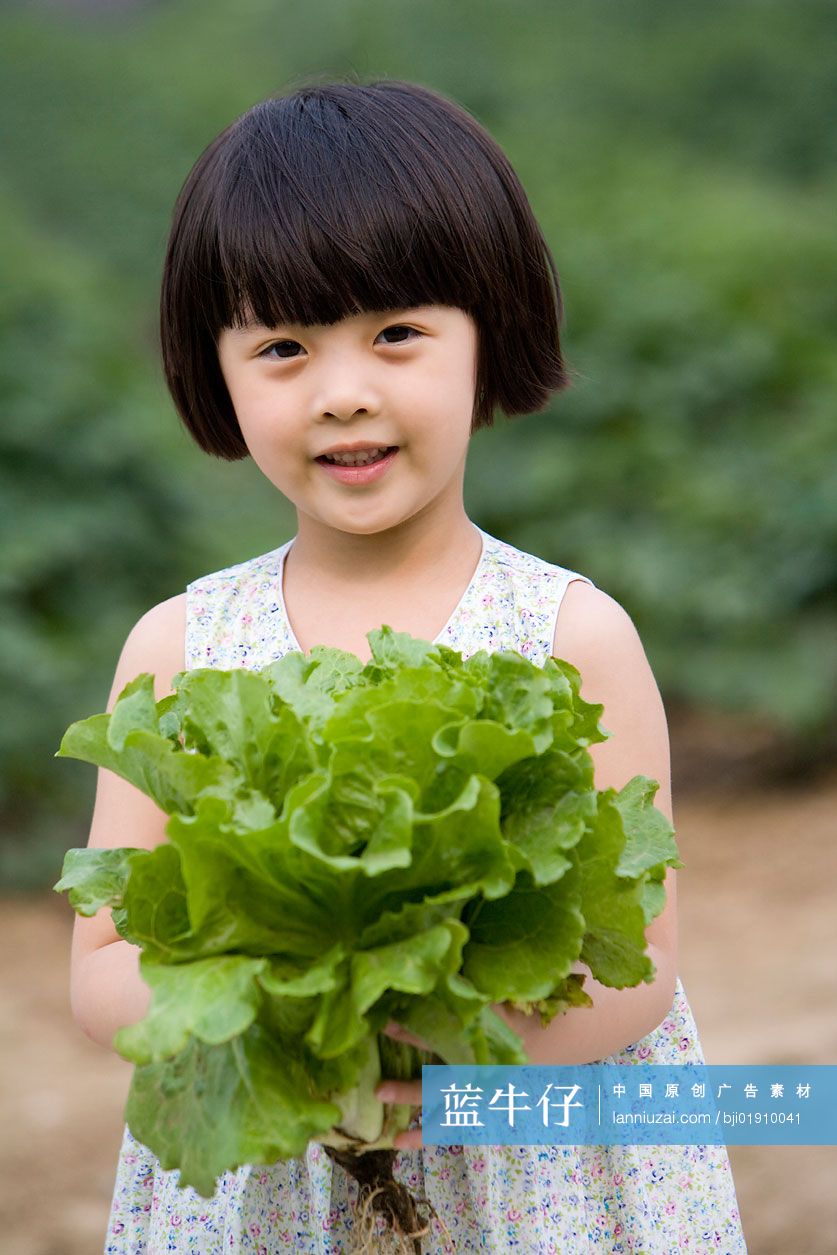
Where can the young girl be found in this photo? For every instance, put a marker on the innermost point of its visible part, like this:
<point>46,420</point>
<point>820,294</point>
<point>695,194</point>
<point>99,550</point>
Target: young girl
<point>354,282</point>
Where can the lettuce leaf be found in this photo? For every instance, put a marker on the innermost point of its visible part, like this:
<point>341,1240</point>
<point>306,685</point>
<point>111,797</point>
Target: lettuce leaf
<point>416,838</point>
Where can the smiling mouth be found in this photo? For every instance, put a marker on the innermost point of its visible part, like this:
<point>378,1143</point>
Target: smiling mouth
<point>360,458</point>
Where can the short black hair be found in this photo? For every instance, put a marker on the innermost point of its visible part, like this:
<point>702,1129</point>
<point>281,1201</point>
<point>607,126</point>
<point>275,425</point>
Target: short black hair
<point>344,197</point>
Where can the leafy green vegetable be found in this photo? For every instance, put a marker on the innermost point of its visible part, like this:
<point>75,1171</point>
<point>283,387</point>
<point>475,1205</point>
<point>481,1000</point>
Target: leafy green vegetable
<point>414,839</point>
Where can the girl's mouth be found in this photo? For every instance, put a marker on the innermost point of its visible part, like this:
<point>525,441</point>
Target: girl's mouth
<point>360,474</point>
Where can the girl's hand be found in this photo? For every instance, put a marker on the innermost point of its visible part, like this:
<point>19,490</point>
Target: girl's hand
<point>404,1092</point>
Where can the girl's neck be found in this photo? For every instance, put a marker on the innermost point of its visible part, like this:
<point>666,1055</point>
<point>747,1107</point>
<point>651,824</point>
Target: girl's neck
<point>420,548</point>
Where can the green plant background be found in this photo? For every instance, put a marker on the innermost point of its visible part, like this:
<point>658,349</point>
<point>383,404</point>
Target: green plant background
<point>681,160</point>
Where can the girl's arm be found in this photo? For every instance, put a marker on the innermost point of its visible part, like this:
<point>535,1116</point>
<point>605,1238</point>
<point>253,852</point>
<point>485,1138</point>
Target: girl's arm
<point>106,989</point>
<point>598,637</point>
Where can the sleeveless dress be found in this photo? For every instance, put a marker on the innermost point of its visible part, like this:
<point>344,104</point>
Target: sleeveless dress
<point>538,1200</point>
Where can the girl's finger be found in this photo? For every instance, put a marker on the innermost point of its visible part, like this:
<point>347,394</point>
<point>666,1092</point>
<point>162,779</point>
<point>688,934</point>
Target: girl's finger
<point>393,1029</point>
<point>403,1092</point>
<point>410,1140</point>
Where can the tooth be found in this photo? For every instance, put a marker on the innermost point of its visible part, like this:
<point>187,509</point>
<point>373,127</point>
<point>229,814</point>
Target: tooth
<point>359,459</point>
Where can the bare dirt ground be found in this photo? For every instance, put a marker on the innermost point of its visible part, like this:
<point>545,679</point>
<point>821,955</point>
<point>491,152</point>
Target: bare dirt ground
<point>758,943</point>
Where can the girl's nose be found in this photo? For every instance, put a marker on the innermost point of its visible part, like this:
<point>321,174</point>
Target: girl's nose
<point>347,389</point>
<point>345,401</point>
<point>345,412</point>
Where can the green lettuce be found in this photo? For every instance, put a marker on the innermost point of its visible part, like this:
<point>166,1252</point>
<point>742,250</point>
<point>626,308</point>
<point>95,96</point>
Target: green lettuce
<point>413,839</point>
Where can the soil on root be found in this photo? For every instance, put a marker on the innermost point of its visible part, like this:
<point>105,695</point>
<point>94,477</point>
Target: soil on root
<point>379,1194</point>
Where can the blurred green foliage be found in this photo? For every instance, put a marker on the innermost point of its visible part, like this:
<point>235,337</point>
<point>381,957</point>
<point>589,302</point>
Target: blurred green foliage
<point>681,160</point>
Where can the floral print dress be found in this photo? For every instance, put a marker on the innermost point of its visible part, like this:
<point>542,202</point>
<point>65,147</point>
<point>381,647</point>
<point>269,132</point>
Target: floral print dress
<point>536,1200</point>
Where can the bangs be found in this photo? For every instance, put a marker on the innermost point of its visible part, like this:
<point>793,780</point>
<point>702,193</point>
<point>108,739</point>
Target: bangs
<point>319,215</point>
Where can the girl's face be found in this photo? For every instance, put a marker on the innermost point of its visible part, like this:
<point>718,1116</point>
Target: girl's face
<point>405,378</point>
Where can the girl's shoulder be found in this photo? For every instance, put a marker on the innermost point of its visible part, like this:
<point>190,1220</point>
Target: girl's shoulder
<point>525,565</point>
<point>234,614</point>
<point>263,566</point>
<point>587,627</point>
<point>156,639</point>
<point>589,623</point>
<point>591,626</point>
<point>547,595</point>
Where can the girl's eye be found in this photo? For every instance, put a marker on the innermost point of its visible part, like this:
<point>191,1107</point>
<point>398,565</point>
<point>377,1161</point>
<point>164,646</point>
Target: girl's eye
<point>281,344</point>
<point>398,327</point>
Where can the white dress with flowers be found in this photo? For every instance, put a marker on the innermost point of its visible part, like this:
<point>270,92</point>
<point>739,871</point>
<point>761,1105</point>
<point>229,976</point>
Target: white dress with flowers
<point>536,1200</point>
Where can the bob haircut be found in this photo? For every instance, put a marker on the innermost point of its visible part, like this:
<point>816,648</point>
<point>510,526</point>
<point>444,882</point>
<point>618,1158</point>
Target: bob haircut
<point>341,198</point>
